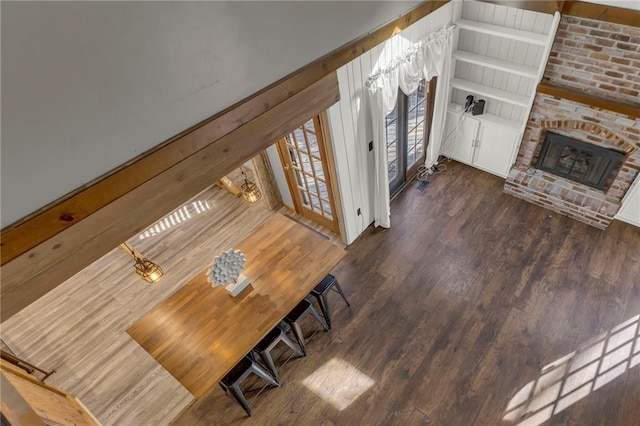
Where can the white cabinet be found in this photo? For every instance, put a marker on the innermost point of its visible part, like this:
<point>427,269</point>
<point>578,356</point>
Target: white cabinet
<point>460,136</point>
<point>480,143</point>
<point>495,149</point>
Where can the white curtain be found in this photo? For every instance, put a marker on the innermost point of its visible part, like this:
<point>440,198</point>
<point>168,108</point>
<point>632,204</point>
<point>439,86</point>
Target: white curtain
<point>425,59</point>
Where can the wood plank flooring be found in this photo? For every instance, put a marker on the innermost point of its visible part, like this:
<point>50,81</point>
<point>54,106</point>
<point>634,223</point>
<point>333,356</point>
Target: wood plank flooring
<point>79,327</point>
<point>454,309</point>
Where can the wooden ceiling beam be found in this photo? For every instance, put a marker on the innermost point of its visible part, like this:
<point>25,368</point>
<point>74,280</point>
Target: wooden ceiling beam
<point>601,12</point>
<point>43,249</point>
<point>36,228</point>
<point>37,271</point>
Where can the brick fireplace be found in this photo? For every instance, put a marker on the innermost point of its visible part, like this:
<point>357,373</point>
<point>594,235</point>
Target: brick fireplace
<point>602,60</point>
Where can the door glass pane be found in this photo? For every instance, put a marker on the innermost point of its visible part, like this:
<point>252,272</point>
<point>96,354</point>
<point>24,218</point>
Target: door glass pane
<point>311,184</point>
<point>312,194</point>
<point>420,148</point>
<point>303,196</point>
<point>392,143</point>
<point>326,208</point>
<point>411,157</point>
<point>412,110</point>
<point>391,163</point>
<point>411,147</point>
<point>315,203</point>
<point>306,163</point>
<point>317,166</point>
<point>309,126</point>
<point>391,132</point>
<point>322,190</point>
<point>298,139</point>
<point>313,144</point>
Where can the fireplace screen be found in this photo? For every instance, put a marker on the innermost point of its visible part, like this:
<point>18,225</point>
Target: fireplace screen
<point>579,161</point>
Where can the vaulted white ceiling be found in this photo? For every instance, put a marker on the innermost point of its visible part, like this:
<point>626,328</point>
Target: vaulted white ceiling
<point>86,86</point>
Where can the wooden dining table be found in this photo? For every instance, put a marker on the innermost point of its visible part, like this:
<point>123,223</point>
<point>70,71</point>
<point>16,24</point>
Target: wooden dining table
<point>200,332</point>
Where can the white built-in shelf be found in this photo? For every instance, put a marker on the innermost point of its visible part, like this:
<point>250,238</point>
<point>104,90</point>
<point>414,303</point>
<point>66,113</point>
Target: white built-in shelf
<point>496,64</point>
<point>506,32</point>
<point>488,118</point>
<point>490,92</point>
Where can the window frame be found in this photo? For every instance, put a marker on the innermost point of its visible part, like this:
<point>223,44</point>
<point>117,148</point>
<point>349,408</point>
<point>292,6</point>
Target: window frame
<point>405,174</point>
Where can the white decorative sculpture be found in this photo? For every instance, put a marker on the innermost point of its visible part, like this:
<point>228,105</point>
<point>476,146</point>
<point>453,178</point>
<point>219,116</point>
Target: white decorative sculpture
<point>225,271</point>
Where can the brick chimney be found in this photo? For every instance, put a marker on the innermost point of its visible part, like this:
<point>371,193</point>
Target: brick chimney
<point>601,60</point>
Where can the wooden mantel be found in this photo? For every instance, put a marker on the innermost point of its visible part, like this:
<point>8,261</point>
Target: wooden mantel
<point>585,98</point>
<point>601,12</point>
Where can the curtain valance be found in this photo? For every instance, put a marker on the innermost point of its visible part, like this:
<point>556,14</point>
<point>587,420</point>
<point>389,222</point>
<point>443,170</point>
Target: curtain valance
<point>426,59</point>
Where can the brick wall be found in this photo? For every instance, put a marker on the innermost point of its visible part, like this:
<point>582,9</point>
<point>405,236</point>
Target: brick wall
<point>602,59</point>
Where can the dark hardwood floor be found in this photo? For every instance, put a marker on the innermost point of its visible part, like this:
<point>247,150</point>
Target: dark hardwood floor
<point>454,309</point>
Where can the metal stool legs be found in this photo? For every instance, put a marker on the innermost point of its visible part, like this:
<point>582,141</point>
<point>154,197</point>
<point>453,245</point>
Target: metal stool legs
<point>264,348</point>
<point>296,315</point>
<point>320,293</point>
<point>230,384</point>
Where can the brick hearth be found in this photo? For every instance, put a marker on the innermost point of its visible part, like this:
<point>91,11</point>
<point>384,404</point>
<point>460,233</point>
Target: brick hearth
<point>602,59</point>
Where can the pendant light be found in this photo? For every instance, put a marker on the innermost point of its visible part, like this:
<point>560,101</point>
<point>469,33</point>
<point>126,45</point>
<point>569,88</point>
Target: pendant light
<point>249,190</point>
<point>146,269</point>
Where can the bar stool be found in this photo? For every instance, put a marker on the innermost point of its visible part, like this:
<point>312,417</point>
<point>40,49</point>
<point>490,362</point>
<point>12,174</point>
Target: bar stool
<point>269,342</point>
<point>320,292</point>
<point>230,383</point>
<point>296,315</point>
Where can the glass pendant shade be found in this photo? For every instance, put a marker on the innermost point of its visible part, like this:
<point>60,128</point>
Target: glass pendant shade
<point>250,192</point>
<point>148,271</point>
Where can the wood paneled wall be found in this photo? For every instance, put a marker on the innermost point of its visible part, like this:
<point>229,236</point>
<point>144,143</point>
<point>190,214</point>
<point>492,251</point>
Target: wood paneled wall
<point>350,121</point>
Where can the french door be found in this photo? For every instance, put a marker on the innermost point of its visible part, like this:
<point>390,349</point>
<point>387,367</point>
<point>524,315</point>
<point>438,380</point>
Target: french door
<point>304,156</point>
<point>407,134</point>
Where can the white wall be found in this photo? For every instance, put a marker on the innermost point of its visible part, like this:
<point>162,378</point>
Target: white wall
<point>281,179</point>
<point>86,86</point>
<point>350,121</point>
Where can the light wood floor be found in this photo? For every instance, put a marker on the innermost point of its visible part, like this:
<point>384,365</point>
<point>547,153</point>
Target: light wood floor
<point>454,309</point>
<point>79,328</point>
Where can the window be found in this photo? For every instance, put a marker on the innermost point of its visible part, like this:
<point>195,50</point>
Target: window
<point>407,134</point>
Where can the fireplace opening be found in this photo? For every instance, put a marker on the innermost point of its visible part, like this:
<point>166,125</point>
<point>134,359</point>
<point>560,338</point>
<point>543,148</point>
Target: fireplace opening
<point>579,161</point>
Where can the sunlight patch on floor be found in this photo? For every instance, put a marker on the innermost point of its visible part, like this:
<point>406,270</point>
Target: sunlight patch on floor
<point>338,383</point>
<point>574,376</point>
<point>183,214</point>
